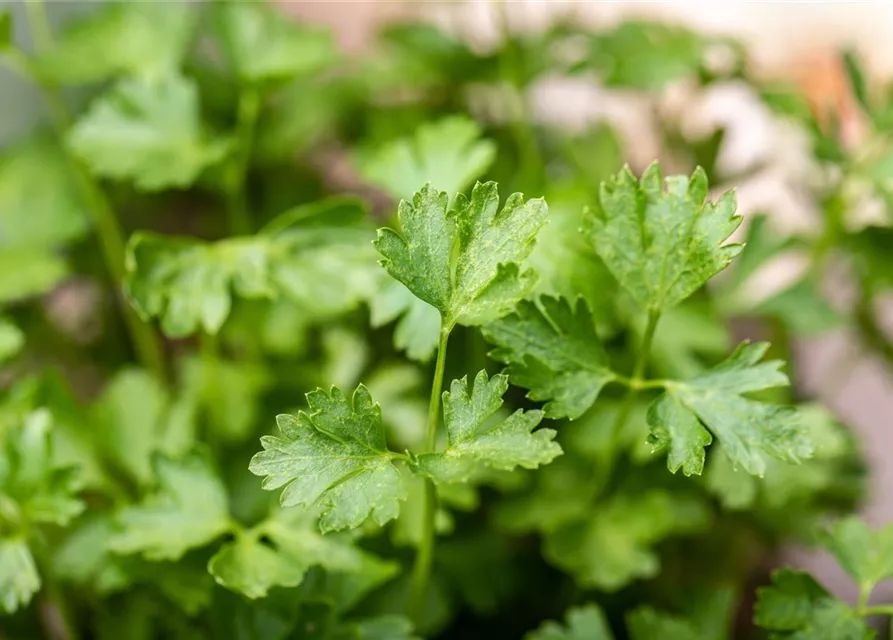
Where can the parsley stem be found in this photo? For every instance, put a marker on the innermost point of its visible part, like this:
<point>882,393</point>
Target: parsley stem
<point>421,570</point>
<point>864,593</point>
<point>636,381</point>
<point>879,610</point>
<point>236,199</point>
<point>108,231</point>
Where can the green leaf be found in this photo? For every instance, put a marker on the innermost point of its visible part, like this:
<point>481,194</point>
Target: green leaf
<point>279,551</point>
<point>645,623</point>
<point>334,456</point>
<point>579,271</point>
<point>551,348</point>
<point>189,284</point>
<point>611,546</point>
<point>26,272</point>
<point>866,555</point>
<point>385,627</point>
<point>130,416</point>
<point>40,203</point>
<point>687,339</point>
<point>748,429</point>
<point>561,495</point>
<point>583,623</point>
<point>305,113</point>
<point>449,153</point>
<point>12,339</point>
<point>85,559</point>
<point>147,131</point>
<point>253,568</point>
<point>418,329</point>
<point>801,609</point>
<point>263,44</point>
<point>474,438</point>
<point>188,510</point>
<point>229,392</point>
<point>43,492</point>
<point>145,39</point>
<point>33,491</point>
<point>645,55</point>
<point>483,280</point>
<point>787,486</point>
<point>19,580</point>
<point>660,238</point>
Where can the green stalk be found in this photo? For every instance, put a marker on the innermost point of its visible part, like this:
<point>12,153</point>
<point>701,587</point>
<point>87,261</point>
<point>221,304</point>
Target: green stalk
<point>879,610</point>
<point>236,200</point>
<point>108,232</point>
<point>421,570</point>
<point>636,381</point>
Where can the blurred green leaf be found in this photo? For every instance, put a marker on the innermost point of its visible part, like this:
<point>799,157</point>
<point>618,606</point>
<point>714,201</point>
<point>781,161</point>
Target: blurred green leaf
<point>19,580</point>
<point>26,272</point>
<point>418,323</point>
<point>11,339</point>
<point>449,154</point>
<point>188,510</point>
<point>41,491</point>
<point>228,392</point>
<point>189,284</point>
<point>646,623</point>
<point>612,545</point>
<point>583,623</point>
<point>147,39</point>
<point>800,608</point>
<point>263,44</point>
<point>40,202</point>
<point>130,415</point>
<point>645,55</point>
<point>865,554</point>
<point>147,131</point>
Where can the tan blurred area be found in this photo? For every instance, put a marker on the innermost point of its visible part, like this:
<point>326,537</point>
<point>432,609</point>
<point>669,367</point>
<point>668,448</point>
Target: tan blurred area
<point>793,41</point>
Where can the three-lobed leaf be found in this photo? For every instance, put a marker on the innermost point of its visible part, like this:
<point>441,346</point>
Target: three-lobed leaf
<point>476,436</point>
<point>334,456</point>
<point>464,261</point>
<point>552,349</point>
<point>684,416</point>
<point>148,131</point>
<point>661,238</point>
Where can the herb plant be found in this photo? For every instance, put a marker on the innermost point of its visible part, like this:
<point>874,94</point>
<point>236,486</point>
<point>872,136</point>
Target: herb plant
<point>481,409</point>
